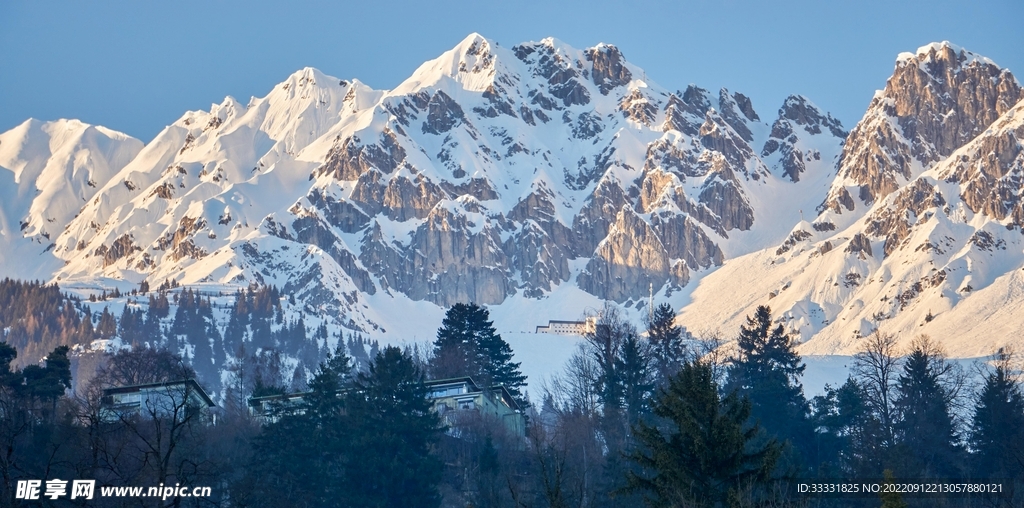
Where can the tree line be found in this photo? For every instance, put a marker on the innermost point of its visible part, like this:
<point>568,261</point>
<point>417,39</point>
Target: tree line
<point>653,416</point>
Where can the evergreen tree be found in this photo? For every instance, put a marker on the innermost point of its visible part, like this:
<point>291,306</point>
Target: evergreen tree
<point>455,349</point>
<point>392,430</point>
<point>767,371</point>
<point>300,459</point>
<point>468,345</point>
<point>997,429</point>
<point>849,437</point>
<point>704,453</point>
<point>333,375</point>
<point>131,327</point>
<point>238,322</point>
<point>107,326</point>
<point>666,339</point>
<point>637,377</point>
<point>925,430</point>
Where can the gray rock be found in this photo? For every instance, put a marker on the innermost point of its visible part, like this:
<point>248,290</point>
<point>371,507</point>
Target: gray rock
<point>628,262</point>
<point>609,69</point>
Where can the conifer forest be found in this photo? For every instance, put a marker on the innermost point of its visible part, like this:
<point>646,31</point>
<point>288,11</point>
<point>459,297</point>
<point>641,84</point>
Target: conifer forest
<point>643,414</point>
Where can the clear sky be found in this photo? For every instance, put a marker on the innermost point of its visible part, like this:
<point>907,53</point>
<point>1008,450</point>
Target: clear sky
<point>137,66</point>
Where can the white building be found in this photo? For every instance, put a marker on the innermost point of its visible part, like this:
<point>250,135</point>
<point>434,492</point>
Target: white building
<point>570,327</point>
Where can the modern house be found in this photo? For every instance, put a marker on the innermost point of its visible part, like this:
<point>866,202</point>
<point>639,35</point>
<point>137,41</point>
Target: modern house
<point>460,396</point>
<point>177,399</point>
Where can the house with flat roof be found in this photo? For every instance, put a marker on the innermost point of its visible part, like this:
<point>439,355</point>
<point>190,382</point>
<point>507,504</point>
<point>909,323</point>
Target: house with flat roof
<point>569,327</point>
<point>174,399</point>
<point>457,397</point>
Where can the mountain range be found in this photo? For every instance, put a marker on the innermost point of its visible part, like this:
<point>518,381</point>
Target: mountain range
<point>542,180</point>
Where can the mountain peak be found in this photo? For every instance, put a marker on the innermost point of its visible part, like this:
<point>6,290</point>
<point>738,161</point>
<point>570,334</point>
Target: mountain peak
<point>937,100</point>
<point>471,62</point>
<point>943,51</point>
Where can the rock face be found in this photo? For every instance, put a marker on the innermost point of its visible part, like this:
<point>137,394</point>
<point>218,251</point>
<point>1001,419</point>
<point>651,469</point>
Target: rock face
<point>937,99</point>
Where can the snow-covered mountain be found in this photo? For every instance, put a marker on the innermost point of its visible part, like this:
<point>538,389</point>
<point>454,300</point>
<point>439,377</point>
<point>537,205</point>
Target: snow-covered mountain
<point>48,171</point>
<point>920,232</point>
<point>542,179</point>
<point>490,174</point>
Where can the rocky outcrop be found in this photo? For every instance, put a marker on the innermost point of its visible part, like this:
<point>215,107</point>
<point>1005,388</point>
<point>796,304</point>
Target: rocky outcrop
<point>935,102</point>
<point>737,110</point>
<point>796,114</point>
<point>448,259</point>
<point>638,107</point>
<point>591,224</point>
<point>908,207</point>
<point>609,69</point>
<point>443,114</point>
<point>718,135</point>
<point>990,170</point>
<point>406,199</point>
<point>725,201</point>
<point>312,231</point>
<point>349,159</point>
<point>860,245</point>
<point>684,239</point>
<point>339,213</point>
<point>630,259</point>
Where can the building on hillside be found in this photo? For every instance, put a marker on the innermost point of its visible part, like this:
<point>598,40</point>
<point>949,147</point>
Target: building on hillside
<point>462,396</point>
<point>180,399</point>
<point>569,327</point>
<point>271,408</point>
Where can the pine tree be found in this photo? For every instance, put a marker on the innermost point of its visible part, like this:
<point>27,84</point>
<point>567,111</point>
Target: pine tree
<point>392,430</point>
<point>767,370</point>
<point>925,431</point>
<point>667,348</point>
<point>468,345</point>
<point>997,429</point>
<point>705,451</point>
<point>637,377</point>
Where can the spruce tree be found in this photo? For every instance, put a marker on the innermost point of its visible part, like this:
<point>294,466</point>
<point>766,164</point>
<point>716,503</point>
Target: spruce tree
<point>767,371</point>
<point>925,431</point>
<point>468,345</point>
<point>637,377</point>
<point>704,451</point>
<point>666,339</point>
<point>455,349</point>
<point>392,430</point>
<point>997,429</point>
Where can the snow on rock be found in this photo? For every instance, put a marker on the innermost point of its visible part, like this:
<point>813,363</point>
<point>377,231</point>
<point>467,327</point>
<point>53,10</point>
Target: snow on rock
<point>48,170</point>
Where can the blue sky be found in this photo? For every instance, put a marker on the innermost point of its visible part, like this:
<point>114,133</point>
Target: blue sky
<point>137,66</point>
